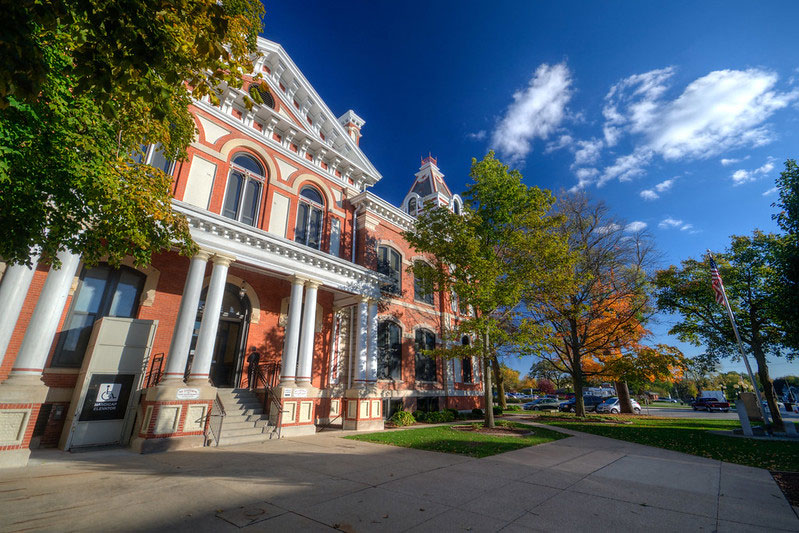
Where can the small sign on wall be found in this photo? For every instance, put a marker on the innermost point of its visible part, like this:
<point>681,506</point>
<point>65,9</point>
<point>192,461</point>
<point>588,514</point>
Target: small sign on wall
<point>188,394</point>
<point>300,393</point>
<point>107,397</point>
<point>287,392</point>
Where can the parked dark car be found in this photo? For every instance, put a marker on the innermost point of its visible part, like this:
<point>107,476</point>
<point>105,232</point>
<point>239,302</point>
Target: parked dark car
<point>590,403</point>
<point>710,405</point>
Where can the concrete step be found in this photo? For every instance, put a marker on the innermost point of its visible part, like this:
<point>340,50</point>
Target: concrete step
<point>243,424</point>
<point>238,432</point>
<point>227,440</point>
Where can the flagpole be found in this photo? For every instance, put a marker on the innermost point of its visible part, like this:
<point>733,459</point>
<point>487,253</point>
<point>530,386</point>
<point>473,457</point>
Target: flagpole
<point>741,349</point>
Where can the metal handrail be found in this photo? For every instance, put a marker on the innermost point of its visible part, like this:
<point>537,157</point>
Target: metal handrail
<point>158,359</point>
<point>270,398</point>
<point>216,433</point>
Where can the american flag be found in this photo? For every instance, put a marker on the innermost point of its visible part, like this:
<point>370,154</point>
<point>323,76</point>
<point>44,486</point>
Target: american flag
<point>715,281</point>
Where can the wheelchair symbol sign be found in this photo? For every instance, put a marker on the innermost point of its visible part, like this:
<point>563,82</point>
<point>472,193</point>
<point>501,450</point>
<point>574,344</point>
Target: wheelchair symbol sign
<point>108,392</point>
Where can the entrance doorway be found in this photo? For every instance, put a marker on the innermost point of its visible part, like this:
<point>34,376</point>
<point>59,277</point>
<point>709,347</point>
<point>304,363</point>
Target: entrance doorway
<point>231,336</point>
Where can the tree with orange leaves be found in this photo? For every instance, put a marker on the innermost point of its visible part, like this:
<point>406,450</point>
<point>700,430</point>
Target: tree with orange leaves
<point>600,318</point>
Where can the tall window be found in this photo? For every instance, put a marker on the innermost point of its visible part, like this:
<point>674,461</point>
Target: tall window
<point>389,351</point>
<point>310,218</point>
<point>422,290</point>
<point>456,207</point>
<point>243,194</point>
<point>102,291</point>
<point>467,376</point>
<point>153,155</point>
<point>425,363</point>
<point>389,262</point>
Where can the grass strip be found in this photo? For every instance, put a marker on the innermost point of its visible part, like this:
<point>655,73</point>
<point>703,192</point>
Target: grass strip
<point>690,435</point>
<point>448,440</point>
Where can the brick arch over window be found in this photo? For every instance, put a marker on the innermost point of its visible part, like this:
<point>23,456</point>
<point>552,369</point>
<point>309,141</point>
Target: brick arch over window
<point>300,180</point>
<point>234,146</point>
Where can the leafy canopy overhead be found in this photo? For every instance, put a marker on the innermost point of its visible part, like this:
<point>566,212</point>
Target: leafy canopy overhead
<point>83,85</point>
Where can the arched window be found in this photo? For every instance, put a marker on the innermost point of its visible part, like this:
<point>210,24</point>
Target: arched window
<point>244,185</point>
<point>389,262</point>
<point>466,364</point>
<point>389,351</point>
<point>412,207</point>
<point>102,291</point>
<point>310,218</point>
<point>425,363</point>
<point>422,290</point>
<point>456,207</point>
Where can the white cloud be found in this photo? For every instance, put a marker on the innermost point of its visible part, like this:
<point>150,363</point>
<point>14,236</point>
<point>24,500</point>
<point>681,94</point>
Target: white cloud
<point>741,176</point>
<point>669,222</point>
<point>602,230</point>
<point>664,185</point>
<point>635,226</point>
<point>770,191</point>
<point>649,194</point>
<point>626,167</point>
<point>536,112</point>
<point>727,162</point>
<point>562,142</point>
<point>722,110</point>
<point>686,227</point>
<point>477,136</point>
<point>588,152</point>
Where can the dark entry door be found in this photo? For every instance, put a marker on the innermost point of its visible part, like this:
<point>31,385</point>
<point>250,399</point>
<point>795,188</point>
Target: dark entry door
<point>231,337</point>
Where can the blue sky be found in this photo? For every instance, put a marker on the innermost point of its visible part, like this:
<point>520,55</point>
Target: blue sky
<point>678,114</point>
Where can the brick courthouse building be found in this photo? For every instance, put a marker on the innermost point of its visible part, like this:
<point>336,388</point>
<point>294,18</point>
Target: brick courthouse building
<point>298,261</point>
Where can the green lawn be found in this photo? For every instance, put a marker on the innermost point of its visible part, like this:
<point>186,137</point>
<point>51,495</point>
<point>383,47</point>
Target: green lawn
<point>448,440</point>
<point>690,435</point>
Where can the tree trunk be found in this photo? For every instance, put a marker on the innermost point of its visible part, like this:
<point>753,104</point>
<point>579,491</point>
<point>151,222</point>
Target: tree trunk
<point>768,386</point>
<point>500,383</point>
<point>577,371</point>
<point>489,404</point>
<point>623,392</point>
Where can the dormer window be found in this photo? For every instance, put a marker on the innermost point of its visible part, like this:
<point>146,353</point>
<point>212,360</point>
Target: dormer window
<point>412,207</point>
<point>243,193</point>
<point>310,218</point>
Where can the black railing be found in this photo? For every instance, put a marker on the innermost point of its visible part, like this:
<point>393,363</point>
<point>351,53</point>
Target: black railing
<point>267,377</point>
<point>156,371</point>
<point>215,419</point>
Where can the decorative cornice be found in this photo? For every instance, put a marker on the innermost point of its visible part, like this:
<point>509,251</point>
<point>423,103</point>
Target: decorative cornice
<point>370,203</point>
<point>257,247</point>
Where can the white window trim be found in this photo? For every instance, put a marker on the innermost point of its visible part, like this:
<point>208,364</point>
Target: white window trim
<point>311,203</point>
<point>248,175</point>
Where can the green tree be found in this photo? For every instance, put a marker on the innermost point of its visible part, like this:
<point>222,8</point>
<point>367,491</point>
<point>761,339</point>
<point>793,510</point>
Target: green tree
<point>750,279</point>
<point>544,369</point>
<point>786,250</point>
<point>83,86</point>
<point>607,302</point>
<point>503,242</point>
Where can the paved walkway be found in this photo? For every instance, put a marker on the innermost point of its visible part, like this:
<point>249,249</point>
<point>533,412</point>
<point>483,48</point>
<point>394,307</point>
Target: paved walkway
<point>583,483</point>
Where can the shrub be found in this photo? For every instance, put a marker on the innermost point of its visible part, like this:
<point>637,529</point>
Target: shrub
<point>477,413</point>
<point>455,414</point>
<point>420,416</point>
<point>497,410</point>
<point>436,417</point>
<point>513,400</point>
<point>514,408</point>
<point>403,418</point>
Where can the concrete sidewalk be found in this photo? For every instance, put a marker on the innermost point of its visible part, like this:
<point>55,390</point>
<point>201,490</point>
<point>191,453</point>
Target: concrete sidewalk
<point>583,483</point>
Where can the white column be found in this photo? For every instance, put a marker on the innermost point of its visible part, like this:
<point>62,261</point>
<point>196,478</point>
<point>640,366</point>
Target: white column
<point>305,358</point>
<point>187,316</point>
<point>361,340</point>
<point>291,339</point>
<point>206,339</point>
<point>371,325</point>
<point>44,322</point>
<point>457,370</point>
<point>13,290</point>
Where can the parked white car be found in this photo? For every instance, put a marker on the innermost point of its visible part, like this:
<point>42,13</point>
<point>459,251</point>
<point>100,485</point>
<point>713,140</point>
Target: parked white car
<point>611,405</point>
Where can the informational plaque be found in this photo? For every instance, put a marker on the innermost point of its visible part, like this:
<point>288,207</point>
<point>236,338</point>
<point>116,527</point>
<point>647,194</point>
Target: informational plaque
<point>107,397</point>
<point>300,393</point>
<point>188,394</point>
